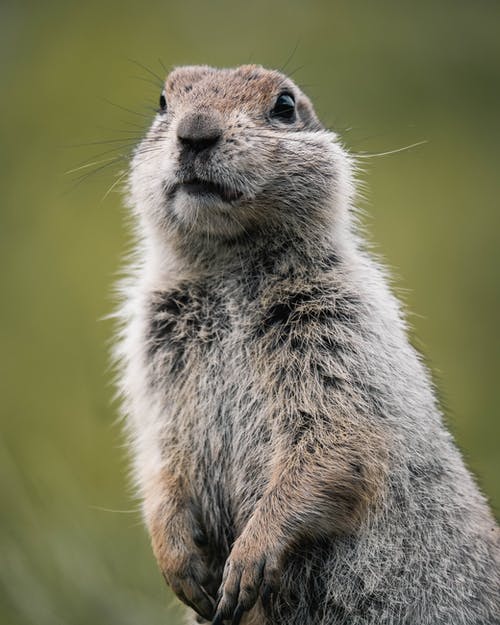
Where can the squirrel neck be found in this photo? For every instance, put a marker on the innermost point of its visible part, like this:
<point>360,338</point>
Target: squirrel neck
<point>270,251</point>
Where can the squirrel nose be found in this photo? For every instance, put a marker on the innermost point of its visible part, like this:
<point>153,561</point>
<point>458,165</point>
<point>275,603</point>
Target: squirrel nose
<point>199,131</point>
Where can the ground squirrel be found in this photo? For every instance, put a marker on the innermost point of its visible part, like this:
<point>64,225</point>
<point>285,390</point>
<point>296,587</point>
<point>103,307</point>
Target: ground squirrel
<point>288,447</point>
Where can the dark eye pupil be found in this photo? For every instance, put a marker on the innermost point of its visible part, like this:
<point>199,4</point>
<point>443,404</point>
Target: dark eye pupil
<point>163,102</point>
<point>284,107</point>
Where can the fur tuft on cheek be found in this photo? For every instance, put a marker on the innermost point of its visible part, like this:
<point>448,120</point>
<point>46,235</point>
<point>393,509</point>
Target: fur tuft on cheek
<point>296,179</point>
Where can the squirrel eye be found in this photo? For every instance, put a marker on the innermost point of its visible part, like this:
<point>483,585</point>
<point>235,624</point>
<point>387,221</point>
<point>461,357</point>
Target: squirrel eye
<point>163,102</point>
<point>284,107</point>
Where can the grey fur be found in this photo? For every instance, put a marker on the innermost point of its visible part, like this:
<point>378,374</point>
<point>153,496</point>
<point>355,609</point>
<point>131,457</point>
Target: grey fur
<point>272,397</point>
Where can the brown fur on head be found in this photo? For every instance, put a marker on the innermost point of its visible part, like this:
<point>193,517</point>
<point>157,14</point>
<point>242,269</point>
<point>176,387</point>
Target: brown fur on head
<point>249,87</point>
<point>220,160</point>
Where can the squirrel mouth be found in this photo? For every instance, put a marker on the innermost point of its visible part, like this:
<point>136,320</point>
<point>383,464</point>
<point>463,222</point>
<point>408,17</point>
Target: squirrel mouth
<point>199,188</point>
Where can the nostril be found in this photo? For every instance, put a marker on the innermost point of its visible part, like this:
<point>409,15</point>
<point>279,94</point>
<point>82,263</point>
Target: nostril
<point>199,143</point>
<point>199,131</point>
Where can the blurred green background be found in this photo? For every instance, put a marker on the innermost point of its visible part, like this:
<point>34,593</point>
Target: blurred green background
<point>385,74</point>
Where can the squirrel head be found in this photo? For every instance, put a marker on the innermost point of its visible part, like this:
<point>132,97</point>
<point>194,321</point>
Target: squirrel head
<point>233,152</point>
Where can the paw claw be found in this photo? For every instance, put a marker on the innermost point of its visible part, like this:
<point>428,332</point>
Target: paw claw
<point>265,595</point>
<point>243,581</point>
<point>238,613</point>
<point>217,619</point>
<point>194,596</point>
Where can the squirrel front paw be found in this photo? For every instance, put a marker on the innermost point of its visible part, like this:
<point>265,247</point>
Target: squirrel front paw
<point>252,569</point>
<point>180,547</point>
